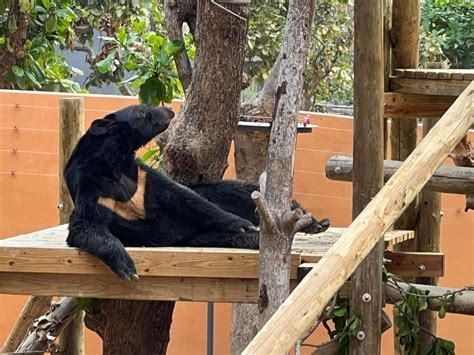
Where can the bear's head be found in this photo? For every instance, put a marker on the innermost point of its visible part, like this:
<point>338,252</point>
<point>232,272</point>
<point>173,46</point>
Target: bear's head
<point>142,123</point>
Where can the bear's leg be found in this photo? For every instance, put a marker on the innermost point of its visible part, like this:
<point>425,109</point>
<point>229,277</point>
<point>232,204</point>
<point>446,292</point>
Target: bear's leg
<point>249,240</point>
<point>89,233</point>
<point>184,202</point>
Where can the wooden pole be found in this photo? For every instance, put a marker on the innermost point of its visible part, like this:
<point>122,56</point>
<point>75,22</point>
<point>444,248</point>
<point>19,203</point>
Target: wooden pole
<point>35,306</point>
<point>447,179</point>
<point>405,41</point>
<point>368,164</point>
<point>310,297</point>
<point>71,128</point>
<point>427,233</point>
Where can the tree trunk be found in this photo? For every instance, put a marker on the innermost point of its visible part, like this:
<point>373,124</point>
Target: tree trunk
<point>196,148</point>
<point>199,142</point>
<point>277,228</point>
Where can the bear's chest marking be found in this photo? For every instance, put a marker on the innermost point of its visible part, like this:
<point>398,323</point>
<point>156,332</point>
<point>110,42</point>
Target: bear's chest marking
<point>132,209</point>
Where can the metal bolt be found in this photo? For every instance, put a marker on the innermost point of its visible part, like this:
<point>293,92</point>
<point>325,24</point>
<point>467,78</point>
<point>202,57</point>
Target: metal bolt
<point>61,206</point>
<point>17,104</point>
<point>441,213</point>
<point>16,127</point>
<point>366,297</point>
<point>338,170</point>
<point>360,335</point>
<point>422,267</point>
<point>14,150</point>
<point>13,172</point>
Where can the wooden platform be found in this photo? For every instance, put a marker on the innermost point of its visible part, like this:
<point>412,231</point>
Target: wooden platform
<point>40,263</point>
<point>446,82</point>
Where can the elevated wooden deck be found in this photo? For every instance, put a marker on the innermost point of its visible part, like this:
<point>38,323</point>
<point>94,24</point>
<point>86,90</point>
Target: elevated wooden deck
<point>40,263</point>
<point>446,82</point>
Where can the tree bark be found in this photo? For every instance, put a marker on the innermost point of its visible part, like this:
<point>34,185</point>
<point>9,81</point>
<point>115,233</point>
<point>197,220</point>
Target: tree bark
<point>277,227</point>
<point>196,148</point>
<point>17,40</point>
<point>178,12</point>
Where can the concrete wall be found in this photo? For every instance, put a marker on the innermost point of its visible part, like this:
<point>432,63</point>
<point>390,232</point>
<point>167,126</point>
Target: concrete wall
<point>29,198</point>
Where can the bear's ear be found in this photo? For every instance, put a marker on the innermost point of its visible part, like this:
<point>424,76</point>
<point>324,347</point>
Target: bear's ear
<point>101,126</point>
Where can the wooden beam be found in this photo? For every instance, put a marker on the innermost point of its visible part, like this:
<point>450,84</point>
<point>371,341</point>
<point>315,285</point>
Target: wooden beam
<point>147,288</point>
<point>447,179</point>
<point>415,105</point>
<point>413,264</point>
<point>177,262</point>
<point>463,303</point>
<point>307,302</point>
<point>428,86</point>
<point>35,306</point>
<point>402,264</point>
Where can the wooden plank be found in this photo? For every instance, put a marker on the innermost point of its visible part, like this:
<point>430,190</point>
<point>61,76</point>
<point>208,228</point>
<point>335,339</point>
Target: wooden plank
<point>399,105</point>
<point>308,301</point>
<point>403,264</point>
<point>428,86</point>
<point>189,262</point>
<point>147,288</point>
<point>436,74</point>
<point>448,179</point>
<point>411,264</point>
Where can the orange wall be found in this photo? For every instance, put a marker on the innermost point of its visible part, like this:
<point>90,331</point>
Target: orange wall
<point>28,201</point>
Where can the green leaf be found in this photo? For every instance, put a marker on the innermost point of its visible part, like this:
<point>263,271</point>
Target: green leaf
<point>26,5</point>
<point>46,4</point>
<point>19,72</point>
<point>149,154</point>
<point>442,312</point>
<point>51,23</point>
<point>175,46</point>
<point>423,304</point>
<point>340,312</point>
<point>105,65</point>
<point>2,40</point>
<point>163,58</point>
<point>152,91</point>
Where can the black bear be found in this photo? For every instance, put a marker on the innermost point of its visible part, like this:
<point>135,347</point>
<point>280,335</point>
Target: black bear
<point>121,202</point>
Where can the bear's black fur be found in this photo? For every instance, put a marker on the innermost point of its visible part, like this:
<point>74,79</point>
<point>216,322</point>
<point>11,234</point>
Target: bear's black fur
<point>121,202</point>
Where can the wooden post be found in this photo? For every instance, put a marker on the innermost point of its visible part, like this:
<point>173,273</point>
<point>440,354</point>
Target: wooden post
<point>405,40</point>
<point>308,300</point>
<point>71,128</point>
<point>406,16</point>
<point>368,164</point>
<point>428,239</point>
<point>35,306</point>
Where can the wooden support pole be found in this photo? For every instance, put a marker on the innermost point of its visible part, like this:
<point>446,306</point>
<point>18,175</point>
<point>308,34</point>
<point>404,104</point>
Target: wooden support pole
<point>447,179</point>
<point>368,164</point>
<point>310,297</point>
<point>71,128</point>
<point>427,233</point>
<point>35,306</point>
<point>405,33</point>
<point>463,303</point>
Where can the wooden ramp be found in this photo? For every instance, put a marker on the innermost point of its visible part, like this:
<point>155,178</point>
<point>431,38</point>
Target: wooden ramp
<point>40,263</point>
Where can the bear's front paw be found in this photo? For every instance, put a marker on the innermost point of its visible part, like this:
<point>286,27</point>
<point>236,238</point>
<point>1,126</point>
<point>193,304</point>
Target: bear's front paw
<point>240,225</point>
<point>122,264</point>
